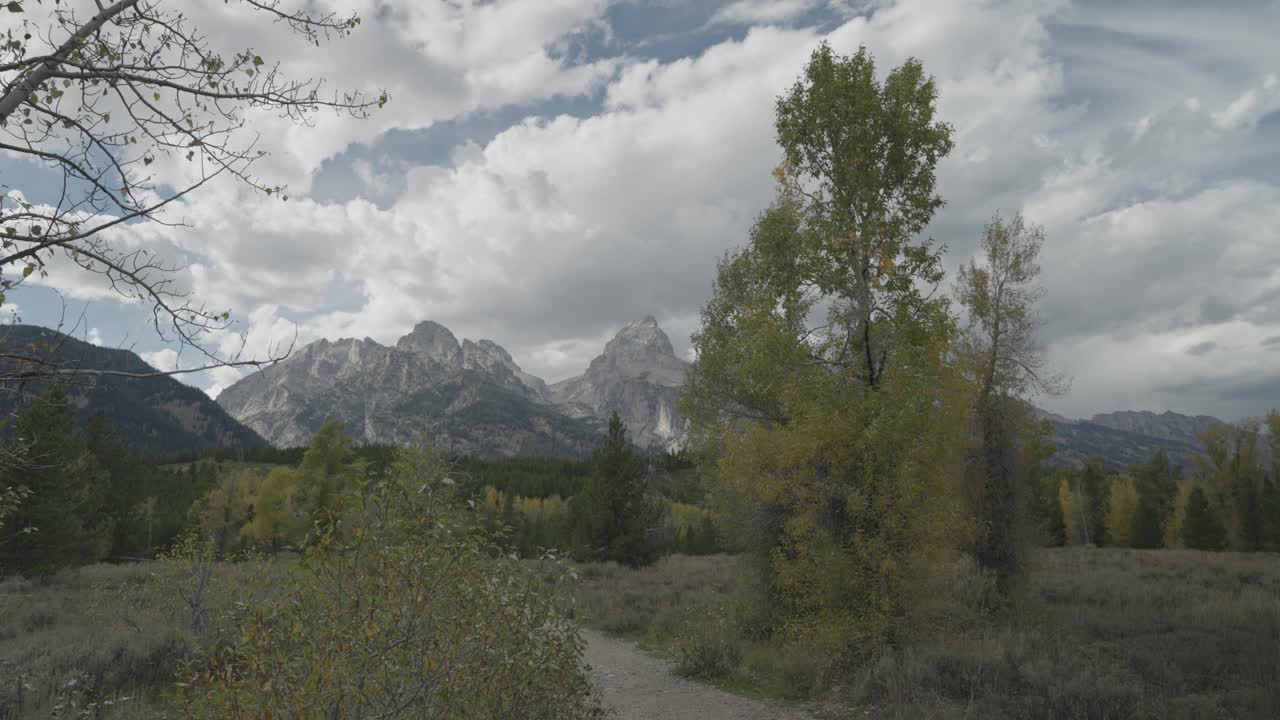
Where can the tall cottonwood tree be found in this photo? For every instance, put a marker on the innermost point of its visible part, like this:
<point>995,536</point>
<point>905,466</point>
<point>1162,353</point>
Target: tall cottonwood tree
<point>137,110</point>
<point>822,376</point>
<point>1001,351</point>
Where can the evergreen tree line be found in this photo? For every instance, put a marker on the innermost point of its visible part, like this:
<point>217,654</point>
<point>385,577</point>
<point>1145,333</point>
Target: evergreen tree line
<point>1228,500</point>
<point>88,497</point>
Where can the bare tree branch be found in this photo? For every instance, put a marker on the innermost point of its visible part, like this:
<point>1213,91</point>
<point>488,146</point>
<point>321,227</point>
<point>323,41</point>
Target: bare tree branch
<point>99,92</point>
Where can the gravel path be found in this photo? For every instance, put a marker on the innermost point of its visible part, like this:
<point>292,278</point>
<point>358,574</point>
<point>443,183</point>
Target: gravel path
<point>642,687</point>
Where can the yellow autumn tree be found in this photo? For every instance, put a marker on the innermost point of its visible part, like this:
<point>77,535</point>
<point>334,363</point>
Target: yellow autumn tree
<point>225,511</point>
<point>275,518</point>
<point>1121,506</point>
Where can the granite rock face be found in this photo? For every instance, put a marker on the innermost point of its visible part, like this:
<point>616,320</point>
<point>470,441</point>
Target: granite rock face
<point>637,376</point>
<point>469,398</point>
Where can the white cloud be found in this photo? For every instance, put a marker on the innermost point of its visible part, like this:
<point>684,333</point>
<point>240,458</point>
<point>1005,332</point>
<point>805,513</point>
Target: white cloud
<point>165,360</point>
<point>94,337</point>
<point>751,12</point>
<point>1250,106</point>
<point>560,229</point>
<point>1126,144</point>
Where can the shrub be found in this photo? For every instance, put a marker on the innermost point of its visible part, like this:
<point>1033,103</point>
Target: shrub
<point>405,607</point>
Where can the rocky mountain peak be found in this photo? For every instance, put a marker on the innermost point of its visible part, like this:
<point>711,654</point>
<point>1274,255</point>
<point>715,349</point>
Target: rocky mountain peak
<point>637,376</point>
<point>644,334</point>
<point>432,340</point>
<point>490,357</point>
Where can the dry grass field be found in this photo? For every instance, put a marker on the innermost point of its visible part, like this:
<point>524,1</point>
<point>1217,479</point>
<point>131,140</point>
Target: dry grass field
<point>1094,633</point>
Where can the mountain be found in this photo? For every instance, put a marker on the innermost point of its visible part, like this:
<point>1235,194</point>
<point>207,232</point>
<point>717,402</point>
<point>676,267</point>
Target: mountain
<point>472,397</point>
<point>158,414</point>
<point>637,376</point>
<point>468,397</point>
<point>1169,426</point>
<point>1119,439</point>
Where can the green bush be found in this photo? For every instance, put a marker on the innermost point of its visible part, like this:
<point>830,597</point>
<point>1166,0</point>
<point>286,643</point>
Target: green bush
<point>404,607</point>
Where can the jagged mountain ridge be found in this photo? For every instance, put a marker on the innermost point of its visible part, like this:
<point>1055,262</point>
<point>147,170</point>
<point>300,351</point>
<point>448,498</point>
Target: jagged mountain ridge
<point>468,397</point>
<point>158,414</point>
<point>1120,439</point>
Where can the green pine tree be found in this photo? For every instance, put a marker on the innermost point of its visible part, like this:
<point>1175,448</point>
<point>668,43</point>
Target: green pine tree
<point>1157,483</point>
<point>1202,529</point>
<point>64,521</point>
<point>613,516</point>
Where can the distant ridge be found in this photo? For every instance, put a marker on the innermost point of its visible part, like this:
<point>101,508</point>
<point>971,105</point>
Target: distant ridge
<point>158,414</point>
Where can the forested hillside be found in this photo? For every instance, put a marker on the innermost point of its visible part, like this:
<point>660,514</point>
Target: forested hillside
<point>155,414</point>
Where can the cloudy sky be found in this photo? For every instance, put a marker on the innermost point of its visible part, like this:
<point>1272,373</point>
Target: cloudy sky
<point>548,170</point>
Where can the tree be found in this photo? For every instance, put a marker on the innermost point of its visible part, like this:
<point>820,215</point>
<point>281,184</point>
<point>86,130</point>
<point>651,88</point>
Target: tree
<point>1232,475</point>
<point>822,386</point>
<point>276,520</point>
<point>1201,528</point>
<point>63,522</point>
<point>137,111</point>
<point>1269,497</point>
<point>225,511</point>
<point>1001,351</point>
<point>1091,494</point>
<point>1074,532</point>
<point>613,516</point>
<point>1122,503</point>
<point>325,471</point>
<point>1173,536</point>
<point>1157,486</point>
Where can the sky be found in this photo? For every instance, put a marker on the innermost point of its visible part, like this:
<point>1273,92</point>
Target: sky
<point>548,170</point>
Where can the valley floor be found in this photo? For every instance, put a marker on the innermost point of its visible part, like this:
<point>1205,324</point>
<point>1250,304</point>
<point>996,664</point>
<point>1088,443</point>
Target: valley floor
<point>1094,634</point>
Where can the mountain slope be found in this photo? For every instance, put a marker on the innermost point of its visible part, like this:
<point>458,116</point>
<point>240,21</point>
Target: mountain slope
<point>159,414</point>
<point>470,398</point>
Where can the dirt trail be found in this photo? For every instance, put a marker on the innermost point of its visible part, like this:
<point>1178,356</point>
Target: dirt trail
<point>642,687</point>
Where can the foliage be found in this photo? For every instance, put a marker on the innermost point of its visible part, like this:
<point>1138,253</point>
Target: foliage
<point>276,520</point>
<point>64,520</point>
<point>839,439</point>
<point>224,512</point>
<point>181,107</point>
<point>1001,353</point>
<point>1178,514</point>
<point>1122,506</point>
<point>403,608</point>
<point>1157,486</point>
<point>1201,527</point>
<point>1071,517</point>
<point>525,477</point>
<point>615,515</point>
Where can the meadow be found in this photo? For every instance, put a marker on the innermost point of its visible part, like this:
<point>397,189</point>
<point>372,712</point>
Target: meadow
<point>1092,633</point>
